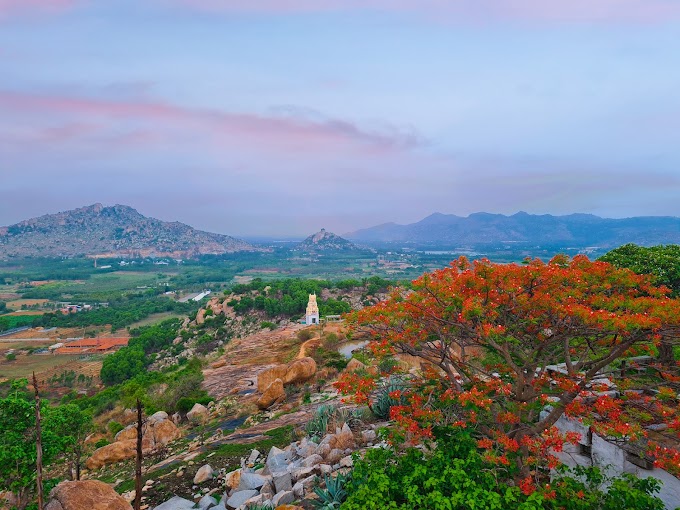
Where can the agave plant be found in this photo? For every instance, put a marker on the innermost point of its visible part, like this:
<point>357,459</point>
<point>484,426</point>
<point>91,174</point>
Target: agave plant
<point>383,402</point>
<point>333,495</point>
<point>318,425</point>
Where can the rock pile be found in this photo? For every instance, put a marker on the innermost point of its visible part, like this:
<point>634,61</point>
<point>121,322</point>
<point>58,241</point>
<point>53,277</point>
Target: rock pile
<point>285,476</point>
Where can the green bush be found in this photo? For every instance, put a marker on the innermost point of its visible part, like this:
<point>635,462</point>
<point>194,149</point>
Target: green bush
<point>185,404</point>
<point>101,442</point>
<point>114,427</point>
<point>455,476</point>
<point>304,335</point>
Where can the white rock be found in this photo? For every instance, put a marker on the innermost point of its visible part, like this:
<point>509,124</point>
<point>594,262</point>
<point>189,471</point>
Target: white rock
<point>203,474</point>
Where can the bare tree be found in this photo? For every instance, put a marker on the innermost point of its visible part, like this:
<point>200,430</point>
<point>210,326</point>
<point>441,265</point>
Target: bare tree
<point>38,444</point>
<point>138,465</point>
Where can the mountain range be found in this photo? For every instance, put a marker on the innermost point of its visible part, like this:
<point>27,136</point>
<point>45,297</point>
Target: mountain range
<point>579,230</point>
<point>116,231</point>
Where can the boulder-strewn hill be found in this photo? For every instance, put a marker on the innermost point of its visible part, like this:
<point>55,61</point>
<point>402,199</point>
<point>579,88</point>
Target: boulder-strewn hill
<point>573,230</point>
<point>325,241</point>
<point>110,231</point>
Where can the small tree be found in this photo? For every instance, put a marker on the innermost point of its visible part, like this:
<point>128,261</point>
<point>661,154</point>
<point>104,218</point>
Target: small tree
<point>502,341</point>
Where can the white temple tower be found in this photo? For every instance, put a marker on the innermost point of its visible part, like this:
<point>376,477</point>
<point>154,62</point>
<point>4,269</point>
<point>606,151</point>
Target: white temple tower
<point>312,315</point>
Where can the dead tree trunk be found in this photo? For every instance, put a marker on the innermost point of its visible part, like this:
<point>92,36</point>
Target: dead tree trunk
<point>138,465</point>
<point>38,444</point>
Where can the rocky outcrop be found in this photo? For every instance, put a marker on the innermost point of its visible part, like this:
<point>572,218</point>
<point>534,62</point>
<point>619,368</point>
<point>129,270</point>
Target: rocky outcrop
<point>268,376</point>
<point>289,474</point>
<point>298,371</point>
<point>274,393</point>
<point>85,495</point>
<point>159,430</point>
<point>112,453</point>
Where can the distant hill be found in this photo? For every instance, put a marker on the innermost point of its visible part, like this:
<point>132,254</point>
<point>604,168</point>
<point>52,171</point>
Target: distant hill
<point>325,241</point>
<point>578,230</point>
<point>117,231</point>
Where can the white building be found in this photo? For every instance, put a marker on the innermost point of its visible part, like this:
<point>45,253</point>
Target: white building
<point>312,314</point>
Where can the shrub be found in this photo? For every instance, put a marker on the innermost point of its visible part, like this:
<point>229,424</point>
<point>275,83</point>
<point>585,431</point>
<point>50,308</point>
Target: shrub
<point>101,442</point>
<point>456,476</point>
<point>114,427</point>
<point>305,334</point>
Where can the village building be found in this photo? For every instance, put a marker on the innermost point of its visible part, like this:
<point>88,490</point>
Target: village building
<point>91,345</point>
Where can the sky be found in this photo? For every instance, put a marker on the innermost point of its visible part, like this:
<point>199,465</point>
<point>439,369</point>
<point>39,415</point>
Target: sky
<point>280,117</point>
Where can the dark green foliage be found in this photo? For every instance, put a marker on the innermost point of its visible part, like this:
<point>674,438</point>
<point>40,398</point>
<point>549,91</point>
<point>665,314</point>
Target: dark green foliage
<point>287,297</point>
<point>63,429</point>
<point>184,404</point>
<point>15,321</point>
<point>133,359</point>
<point>123,365</point>
<point>121,312</point>
<point>114,427</point>
<point>663,262</point>
<point>330,358</point>
<point>455,476</point>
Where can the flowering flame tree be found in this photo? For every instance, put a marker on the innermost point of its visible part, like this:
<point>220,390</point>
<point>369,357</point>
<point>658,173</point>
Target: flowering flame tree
<point>509,349</point>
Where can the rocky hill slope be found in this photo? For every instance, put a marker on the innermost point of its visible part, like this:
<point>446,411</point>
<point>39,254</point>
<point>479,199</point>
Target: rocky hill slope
<point>116,231</point>
<point>578,230</point>
<point>325,241</point>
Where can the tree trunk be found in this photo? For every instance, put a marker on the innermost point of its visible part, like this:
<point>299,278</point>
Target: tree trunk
<point>666,354</point>
<point>38,444</point>
<point>138,465</point>
<point>77,462</point>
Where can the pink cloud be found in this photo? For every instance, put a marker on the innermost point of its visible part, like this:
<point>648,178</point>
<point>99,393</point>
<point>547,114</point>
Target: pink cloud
<point>79,117</point>
<point>463,11</point>
<point>12,7</point>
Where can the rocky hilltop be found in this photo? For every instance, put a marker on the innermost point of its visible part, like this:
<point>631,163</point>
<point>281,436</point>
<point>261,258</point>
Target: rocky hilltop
<point>483,228</point>
<point>325,241</point>
<point>116,231</point>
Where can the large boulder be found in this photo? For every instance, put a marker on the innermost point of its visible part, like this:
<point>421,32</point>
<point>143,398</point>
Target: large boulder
<point>274,393</point>
<point>112,453</point>
<point>354,365</point>
<point>85,495</point>
<point>164,432</point>
<point>300,370</point>
<point>198,414</point>
<point>268,376</point>
<point>158,432</point>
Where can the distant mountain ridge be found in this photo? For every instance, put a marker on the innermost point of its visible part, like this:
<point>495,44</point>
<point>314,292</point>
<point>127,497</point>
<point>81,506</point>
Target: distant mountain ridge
<point>115,231</point>
<point>485,228</point>
<point>325,241</point>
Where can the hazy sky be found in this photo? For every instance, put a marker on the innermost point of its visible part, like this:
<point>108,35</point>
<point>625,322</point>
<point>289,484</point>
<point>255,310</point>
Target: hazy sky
<point>279,117</point>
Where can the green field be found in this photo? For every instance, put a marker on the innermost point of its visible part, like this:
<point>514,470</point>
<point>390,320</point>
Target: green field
<point>99,287</point>
<point>15,321</point>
